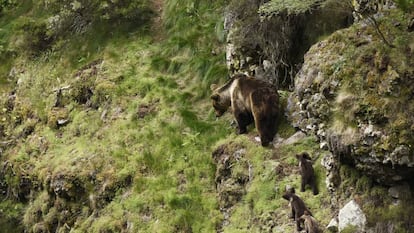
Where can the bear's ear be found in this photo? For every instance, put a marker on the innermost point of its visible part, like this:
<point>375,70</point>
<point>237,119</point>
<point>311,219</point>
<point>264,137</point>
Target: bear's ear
<point>215,97</point>
<point>213,86</point>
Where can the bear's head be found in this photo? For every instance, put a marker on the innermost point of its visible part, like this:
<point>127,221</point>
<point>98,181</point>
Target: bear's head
<point>289,193</point>
<point>306,213</point>
<point>220,102</point>
<point>303,155</point>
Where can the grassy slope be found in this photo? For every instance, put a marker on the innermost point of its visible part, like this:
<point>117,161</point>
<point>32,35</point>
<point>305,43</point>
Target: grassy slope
<point>140,160</point>
<point>134,169</point>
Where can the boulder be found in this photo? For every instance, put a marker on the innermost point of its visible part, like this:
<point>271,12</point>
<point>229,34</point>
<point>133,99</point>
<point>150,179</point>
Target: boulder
<point>351,215</point>
<point>333,225</point>
<point>401,192</point>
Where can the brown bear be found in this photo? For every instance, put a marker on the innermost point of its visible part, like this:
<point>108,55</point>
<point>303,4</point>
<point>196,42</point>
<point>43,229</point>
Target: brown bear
<point>250,100</point>
<point>310,223</point>
<point>307,172</point>
<point>297,205</point>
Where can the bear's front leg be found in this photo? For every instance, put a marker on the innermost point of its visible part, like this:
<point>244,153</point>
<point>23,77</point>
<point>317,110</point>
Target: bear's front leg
<point>243,120</point>
<point>298,227</point>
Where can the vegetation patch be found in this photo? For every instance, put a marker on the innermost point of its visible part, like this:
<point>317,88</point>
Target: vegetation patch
<point>105,128</point>
<point>289,7</point>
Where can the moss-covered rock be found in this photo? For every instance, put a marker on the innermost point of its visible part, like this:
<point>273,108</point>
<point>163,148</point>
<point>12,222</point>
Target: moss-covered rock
<point>366,88</point>
<point>232,174</point>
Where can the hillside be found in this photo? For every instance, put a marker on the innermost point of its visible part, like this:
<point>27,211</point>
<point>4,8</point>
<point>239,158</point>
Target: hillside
<point>106,123</point>
<point>104,126</point>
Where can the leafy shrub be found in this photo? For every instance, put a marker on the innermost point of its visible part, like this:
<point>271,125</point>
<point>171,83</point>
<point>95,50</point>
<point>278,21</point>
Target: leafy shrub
<point>62,18</point>
<point>405,5</point>
<point>4,4</point>
<point>135,11</point>
<point>34,35</point>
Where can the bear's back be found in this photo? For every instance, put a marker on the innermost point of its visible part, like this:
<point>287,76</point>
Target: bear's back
<point>249,83</point>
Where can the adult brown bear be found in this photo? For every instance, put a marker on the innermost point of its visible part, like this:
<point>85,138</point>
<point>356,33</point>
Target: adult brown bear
<point>250,100</point>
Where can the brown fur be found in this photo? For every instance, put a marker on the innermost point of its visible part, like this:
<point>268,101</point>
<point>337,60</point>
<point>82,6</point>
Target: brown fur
<point>250,100</point>
<point>298,207</point>
<point>310,223</point>
<point>307,172</point>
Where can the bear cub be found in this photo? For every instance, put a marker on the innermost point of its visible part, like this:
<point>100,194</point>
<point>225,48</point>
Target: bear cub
<point>307,172</point>
<point>310,223</point>
<point>251,100</point>
<point>298,207</point>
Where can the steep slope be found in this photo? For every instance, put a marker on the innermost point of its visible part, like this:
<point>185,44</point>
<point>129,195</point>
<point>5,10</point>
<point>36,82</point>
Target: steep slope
<point>106,123</point>
<point>103,130</point>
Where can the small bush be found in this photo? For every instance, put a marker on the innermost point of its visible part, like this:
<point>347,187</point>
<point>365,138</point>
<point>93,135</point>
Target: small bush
<point>34,36</point>
<point>55,115</point>
<point>4,4</point>
<point>350,229</point>
<point>102,93</point>
<point>73,15</point>
<point>405,5</point>
<point>61,19</point>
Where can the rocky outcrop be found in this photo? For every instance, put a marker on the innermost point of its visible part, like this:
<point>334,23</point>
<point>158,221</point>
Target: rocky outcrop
<point>233,171</point>
<point>330,164</point>
<point>354,92</point>
<point>269,40</point>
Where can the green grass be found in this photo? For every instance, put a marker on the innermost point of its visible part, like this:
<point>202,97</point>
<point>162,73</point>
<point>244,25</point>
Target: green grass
<point>272,171</point>
<point>137,155</point>
<point>290,7</point>
<point>150,172</point>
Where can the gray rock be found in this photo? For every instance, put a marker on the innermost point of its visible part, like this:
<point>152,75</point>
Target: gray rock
<point>402,156</point>
<point>230,51</point>
<point>229,19</point>
<point>333,225</point>
<point>331,165</point>
<point>328,162</point>
<point>292,139</point>
<point>400,191</point>
<point>62,122</point>
<point>351,215</point>
<point>323,145</point>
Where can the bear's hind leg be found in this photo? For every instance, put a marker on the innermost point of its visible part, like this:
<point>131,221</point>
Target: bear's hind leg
<point>314,186</point>
<point>265,116</point>
<point>264,127</point>
<point>298,224</point>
